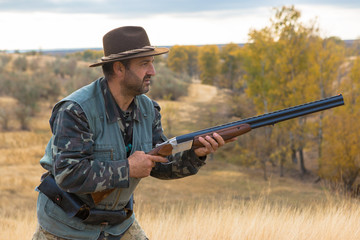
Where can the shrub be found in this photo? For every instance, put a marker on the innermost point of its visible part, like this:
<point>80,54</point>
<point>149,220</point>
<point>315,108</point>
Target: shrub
<point>168,85</point>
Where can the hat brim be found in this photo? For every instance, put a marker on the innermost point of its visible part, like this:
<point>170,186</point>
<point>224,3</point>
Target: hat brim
<point>155,52</point>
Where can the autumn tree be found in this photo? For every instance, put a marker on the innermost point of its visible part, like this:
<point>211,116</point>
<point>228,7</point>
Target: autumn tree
<point>259,60</point>
<point>355,48</point>
<point>209,64</point>
<point>192,62</point>
<point>325,58</point>
<point>341,149</point>
<point>184,60</point>
<point>177,59</point>
<point>278,75</point>
<point>231,65</point>
<point>294,85</point>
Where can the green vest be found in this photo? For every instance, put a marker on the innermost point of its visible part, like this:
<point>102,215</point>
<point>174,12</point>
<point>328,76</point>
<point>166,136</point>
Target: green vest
<point>108,146</point>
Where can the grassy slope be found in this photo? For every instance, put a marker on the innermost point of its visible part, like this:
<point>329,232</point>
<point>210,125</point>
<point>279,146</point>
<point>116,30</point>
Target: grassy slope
<point>217,185</point>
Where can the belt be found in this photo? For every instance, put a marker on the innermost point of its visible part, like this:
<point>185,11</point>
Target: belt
<point>73,206</point>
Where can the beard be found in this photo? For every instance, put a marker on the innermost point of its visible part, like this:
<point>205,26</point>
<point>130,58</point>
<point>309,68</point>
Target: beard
<point>136,85</point>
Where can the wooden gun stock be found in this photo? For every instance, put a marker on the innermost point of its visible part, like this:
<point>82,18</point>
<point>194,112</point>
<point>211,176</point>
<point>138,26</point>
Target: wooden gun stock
<point>226,133</point>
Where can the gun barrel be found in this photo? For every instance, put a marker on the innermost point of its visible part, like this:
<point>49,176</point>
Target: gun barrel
<point>274,117</point>
<point>294,112</point>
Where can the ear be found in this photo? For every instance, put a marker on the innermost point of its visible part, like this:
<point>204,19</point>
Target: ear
<point>119,68</point>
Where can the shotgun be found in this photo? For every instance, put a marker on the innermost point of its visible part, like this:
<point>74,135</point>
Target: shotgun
<point>237,128</point>
<point>234,129</point>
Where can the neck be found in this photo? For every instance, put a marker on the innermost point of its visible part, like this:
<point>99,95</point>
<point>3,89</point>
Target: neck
<point>123,102</point>
<point>122,98</point>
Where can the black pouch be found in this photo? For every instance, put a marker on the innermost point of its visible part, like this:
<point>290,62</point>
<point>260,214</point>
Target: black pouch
<point>68,202</point>
<point>73,206</point>
<point>97,216</point>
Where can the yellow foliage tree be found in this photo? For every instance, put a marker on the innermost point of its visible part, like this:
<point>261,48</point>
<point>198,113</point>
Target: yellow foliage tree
<point>231,65</point>
<point>177,59</point>
<point>192,62</point>
<point>209,64</point>
<point>341,148</point>
<point>325,58</point>
<point>277,76</point>
<point>184,60</point>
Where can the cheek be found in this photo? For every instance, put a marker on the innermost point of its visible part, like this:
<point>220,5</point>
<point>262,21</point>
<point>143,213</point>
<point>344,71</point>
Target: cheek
<point>139,75</point>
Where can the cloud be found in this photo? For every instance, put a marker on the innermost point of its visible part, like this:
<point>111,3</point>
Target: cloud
<point>54,25</point>
<point>137,8</point>
<point>122,7</point>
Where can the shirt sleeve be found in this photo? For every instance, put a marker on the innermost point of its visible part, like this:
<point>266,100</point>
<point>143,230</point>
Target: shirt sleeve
<point>75,169</point>
<point>181,164</point>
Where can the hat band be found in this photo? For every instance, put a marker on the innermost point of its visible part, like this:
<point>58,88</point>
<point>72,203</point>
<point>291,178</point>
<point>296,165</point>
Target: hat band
<point>127,53</point>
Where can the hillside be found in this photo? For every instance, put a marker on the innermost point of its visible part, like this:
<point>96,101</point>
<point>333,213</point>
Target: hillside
<point>20,152</point>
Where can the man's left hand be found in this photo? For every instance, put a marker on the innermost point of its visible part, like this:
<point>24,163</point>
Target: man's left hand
<point>211,144</point>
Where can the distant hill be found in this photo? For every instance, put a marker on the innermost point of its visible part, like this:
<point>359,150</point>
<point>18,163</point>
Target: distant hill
<point>64,51</point>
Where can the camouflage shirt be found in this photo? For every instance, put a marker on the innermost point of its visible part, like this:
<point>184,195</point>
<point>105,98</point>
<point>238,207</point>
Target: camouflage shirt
<point>73,149</point>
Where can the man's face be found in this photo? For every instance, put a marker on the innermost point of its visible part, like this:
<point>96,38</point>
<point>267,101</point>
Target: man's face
<point>138,75</point>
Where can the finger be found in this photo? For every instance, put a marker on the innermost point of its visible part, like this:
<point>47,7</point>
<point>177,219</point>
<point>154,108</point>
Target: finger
<point>202,151</point>
<point>219,139</point>
<point>205,143</point>
<point>214,145</point>
<point>158,159</point>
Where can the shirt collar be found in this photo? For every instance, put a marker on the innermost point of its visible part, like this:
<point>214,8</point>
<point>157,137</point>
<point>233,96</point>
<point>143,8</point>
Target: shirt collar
<point>111,107</point>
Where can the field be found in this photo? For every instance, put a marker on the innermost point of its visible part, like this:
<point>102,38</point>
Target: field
<point>223,201</point>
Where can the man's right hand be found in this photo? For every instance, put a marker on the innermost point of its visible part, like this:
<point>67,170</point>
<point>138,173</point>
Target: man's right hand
<point>140,164</point>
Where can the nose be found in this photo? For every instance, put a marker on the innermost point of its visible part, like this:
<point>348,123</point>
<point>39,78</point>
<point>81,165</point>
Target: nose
<point>151,71</point>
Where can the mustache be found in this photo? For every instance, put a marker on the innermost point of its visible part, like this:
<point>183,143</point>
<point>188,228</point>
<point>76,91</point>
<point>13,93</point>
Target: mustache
<point>147,78</point>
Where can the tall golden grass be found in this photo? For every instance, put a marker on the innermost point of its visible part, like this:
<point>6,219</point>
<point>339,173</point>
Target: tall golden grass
<point>222,201</point>
<point>226,219</point>
<point>253,220</point>
<point>17,224</point>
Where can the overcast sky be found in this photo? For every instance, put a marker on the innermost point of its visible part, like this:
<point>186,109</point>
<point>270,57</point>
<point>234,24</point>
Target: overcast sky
<point>53,24</point>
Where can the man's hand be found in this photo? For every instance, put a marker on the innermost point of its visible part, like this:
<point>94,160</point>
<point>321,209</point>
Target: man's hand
<point>211,144</point>
<point>140,164</point>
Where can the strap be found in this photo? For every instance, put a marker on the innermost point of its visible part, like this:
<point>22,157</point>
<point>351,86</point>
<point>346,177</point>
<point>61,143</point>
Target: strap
<point>73,206</point>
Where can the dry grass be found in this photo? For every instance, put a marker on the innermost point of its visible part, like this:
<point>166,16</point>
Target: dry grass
<point>20,152</point>
<point>17,224</point>
<point>221,202</point>
<point>252,220</point>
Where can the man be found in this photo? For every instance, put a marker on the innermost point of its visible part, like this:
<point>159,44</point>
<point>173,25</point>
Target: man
<point>101,134</point>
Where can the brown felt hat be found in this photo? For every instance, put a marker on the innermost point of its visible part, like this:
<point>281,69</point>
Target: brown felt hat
<point>125,43</point>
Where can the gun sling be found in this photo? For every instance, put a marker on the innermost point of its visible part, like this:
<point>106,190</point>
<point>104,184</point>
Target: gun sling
<point>73,206</point>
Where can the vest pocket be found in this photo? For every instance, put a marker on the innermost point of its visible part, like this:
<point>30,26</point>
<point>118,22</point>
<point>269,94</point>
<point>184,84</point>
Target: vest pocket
<point>55,212</point>
<point>106,154</point>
